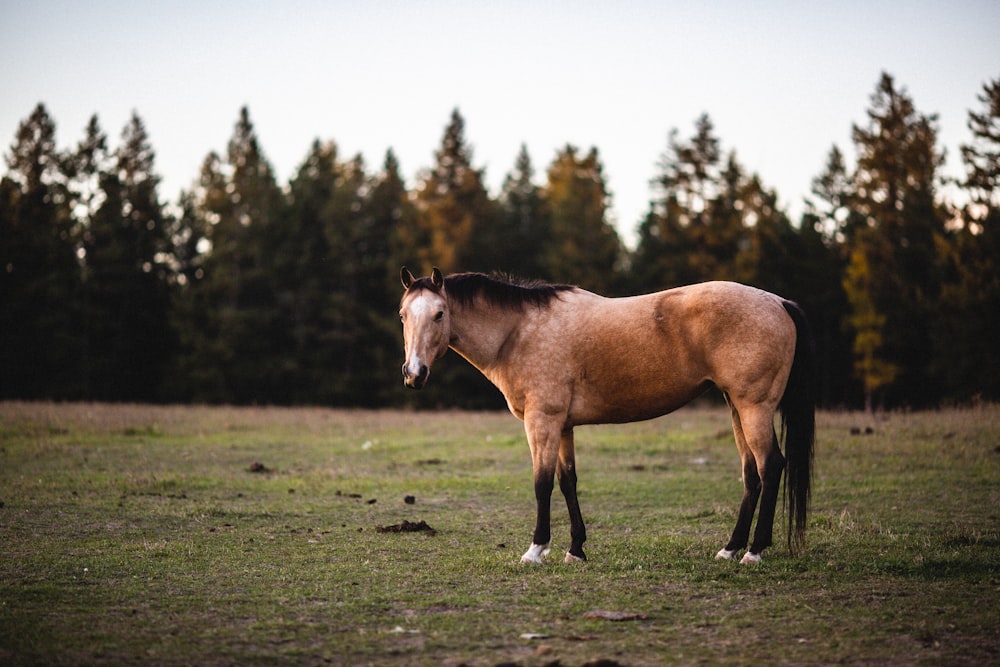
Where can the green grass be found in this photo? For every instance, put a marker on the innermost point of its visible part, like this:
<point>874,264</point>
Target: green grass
<point>138,535</point>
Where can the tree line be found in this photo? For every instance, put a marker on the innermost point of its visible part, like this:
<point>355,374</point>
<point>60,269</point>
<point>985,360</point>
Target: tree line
<point>250,291</point>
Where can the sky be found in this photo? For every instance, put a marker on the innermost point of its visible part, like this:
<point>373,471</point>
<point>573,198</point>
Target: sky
<point>781,81</point>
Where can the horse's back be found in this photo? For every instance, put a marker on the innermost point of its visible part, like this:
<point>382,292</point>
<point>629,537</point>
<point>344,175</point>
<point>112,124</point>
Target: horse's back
<point>700,315</point>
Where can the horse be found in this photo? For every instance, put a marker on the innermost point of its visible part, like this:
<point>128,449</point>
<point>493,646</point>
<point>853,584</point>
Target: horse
<point>563,357</point>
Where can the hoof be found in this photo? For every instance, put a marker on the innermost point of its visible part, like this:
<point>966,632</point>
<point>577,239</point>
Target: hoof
<point>750,559</point>
<point>535,553</point>
<point>725,554</point>
<point>570,558</point>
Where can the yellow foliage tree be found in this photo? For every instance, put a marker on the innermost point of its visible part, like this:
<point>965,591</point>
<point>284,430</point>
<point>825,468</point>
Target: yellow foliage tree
<point>868,325</point>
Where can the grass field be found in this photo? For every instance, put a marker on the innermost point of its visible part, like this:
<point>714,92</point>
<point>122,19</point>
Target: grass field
<point>216,536</point>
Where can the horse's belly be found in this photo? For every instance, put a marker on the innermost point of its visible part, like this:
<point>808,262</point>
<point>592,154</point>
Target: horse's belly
<point>629,401</point>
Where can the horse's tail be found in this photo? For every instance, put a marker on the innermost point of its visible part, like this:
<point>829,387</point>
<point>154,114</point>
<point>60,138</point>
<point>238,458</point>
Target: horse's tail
<point>798,426</point>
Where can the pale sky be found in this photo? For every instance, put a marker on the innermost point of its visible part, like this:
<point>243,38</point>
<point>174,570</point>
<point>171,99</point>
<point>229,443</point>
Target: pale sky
<point>782,81</point>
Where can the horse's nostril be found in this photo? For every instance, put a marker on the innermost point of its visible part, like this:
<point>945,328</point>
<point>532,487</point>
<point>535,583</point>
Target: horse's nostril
<point>415,380</point>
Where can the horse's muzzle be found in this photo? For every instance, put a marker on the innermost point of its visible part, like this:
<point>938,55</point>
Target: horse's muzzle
<point>416,381</point>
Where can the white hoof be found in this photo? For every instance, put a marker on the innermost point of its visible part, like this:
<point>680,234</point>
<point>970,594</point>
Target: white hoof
<point>535,553</point>
<point>570,558</point>
<point>725,554</point>
<point>750,559</point>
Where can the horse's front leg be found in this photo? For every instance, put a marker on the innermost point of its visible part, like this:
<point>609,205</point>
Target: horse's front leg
<point>543,438</point>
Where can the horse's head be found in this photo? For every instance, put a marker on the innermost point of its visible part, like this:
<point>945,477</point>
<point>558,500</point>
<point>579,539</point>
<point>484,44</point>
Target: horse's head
<point>426,325</point>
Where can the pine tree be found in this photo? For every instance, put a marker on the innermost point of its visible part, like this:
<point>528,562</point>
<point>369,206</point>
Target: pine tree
<point>982,156</point>
<point>965,362</point>
<point>721,233</point>
<point>39,269</point>
<point>309,268</point>
<point>691,170</point>
<point>672,250</point>
<point>895,193</point>
<point>585,248</point>
<point>453,205</point>
<point>347,310</point>
<point>189,244</point>
<point>86,170</point>
<point>392,209</point>
<point>392,221</point>
<point>125,251</point>
<point>525,221</point>
<point>835,214</point>
<point>229,344</point>
<point>766,244</point>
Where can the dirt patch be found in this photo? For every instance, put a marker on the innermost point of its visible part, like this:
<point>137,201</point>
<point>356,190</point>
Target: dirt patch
<point>407,527</point>
<point>615,615</point>
<point>430,462</point>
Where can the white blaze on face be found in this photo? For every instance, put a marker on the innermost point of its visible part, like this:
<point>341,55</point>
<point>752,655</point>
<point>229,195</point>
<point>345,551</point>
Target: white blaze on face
<point>416,317</point>
<point>423,330</point>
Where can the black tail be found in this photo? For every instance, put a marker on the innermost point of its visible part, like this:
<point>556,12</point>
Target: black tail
<point>798,426</point>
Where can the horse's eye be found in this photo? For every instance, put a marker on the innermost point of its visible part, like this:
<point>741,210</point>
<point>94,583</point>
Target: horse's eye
<point>439,316</point>
<point>402,317</point>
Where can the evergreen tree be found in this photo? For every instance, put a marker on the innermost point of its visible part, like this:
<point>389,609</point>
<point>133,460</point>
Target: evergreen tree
<point>188,234</point>
<point>525,222</point>
<point>392,209</point>
<point>199,372</point>
<point>350,245</point>
<point>721,233</point>
<point>86,170</point>
<point>229,345</point>
<point>835,221</point>
<point>691,169</point>
<point>392,220</point>
<point>672,247</point>
<point>39,269</point>
<point>965,359</point>
<point>189,244</point>
<point>982,156</point>
<point>585,248</point>
<point>125,250</point>
<point>816,267</point>
<point>767,244</point>
<point>835,214</point>
<point>453,205</point>
<point>895,193</point>
<point>525,235</point>
<point>309,267</point>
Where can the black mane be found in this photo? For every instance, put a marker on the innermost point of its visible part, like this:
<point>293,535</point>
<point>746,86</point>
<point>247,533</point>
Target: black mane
<point>498,290</point>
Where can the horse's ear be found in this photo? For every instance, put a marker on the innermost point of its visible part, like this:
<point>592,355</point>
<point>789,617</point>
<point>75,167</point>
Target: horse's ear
<point>437,278</point>
<point>406,277</point>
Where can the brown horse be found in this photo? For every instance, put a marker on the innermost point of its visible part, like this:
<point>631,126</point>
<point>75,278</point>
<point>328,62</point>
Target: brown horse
<point>563,356</point>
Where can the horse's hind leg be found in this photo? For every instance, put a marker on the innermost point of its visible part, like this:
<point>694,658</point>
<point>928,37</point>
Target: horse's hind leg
<point>751,493</point>
<point>770,473</point>
<point>566,472</point>
<point>758,429</point>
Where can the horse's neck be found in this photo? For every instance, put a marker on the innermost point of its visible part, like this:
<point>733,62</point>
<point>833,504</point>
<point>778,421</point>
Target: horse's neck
<point>479,334</point>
